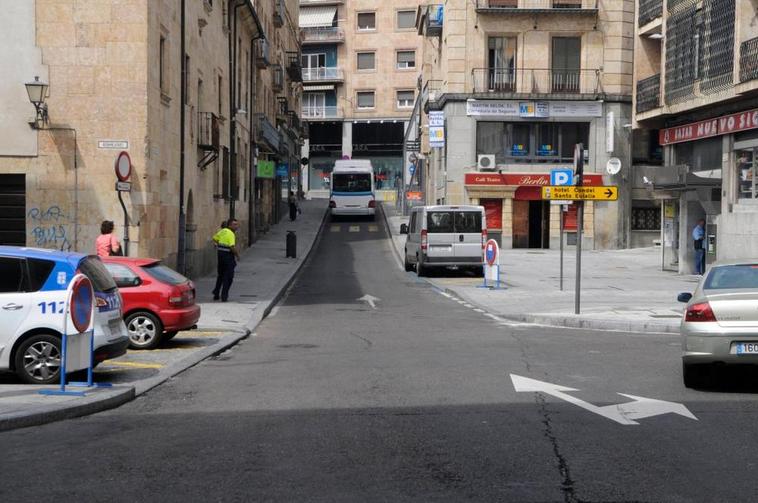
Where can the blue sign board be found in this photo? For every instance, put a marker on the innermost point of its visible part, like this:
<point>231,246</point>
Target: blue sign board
<point>282,170</point>
<point>561,177</point>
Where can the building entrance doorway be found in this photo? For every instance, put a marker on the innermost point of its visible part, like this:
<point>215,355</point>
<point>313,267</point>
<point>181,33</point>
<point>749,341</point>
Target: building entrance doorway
<point>531,224</point>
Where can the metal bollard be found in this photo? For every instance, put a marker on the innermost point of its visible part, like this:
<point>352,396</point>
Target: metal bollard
<point>291,244</point>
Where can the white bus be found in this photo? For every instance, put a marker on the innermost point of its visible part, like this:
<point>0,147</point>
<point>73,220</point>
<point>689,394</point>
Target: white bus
<point>352,188</point>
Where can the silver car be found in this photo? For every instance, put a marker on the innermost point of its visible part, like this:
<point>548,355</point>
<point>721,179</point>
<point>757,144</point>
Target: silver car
<point>720,323</point>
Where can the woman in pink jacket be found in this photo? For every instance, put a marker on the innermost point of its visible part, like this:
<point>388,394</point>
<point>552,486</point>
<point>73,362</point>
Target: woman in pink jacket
<point>106,243</point>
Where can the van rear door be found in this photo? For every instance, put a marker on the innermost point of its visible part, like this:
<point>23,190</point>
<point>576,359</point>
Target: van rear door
<point>467,240</point>
<point>440,226</point>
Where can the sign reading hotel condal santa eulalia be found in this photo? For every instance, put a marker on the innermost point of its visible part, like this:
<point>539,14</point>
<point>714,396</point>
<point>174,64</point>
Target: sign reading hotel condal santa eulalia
<point>712,127</point>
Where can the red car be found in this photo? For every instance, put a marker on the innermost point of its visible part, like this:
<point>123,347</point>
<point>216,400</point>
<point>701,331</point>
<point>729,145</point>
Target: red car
<point>157,301</point>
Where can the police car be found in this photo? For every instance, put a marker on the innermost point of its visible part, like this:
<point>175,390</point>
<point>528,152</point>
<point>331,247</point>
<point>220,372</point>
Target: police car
<point>33,286</point>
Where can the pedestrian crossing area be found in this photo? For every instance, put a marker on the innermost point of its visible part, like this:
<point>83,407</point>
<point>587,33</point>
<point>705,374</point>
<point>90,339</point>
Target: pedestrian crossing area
<point>354,228</point>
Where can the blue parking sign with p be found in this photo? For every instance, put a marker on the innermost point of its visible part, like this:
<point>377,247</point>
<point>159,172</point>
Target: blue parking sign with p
<point>562,177</point>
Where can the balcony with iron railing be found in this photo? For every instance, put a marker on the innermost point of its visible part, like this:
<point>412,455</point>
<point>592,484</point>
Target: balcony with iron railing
<point>320,112</point>
<point>322,74</point>
<point>544,81</point>
<point>749,60</point>
<point>322,35</point>
<point>294,66</point>
<point>432,18</point>
<point>648,93</point>
<point>650,10</point>
<point>532,6</point>
<point>208,131</point>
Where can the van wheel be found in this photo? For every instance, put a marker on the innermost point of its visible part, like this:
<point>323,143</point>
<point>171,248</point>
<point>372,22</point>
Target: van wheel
<point>38,359</point>
<point>420,269</point>
<point>408,265</point>
<point>145,330</point>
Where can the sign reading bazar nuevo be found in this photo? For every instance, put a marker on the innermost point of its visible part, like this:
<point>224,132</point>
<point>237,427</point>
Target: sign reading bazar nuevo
<point>712,127</point>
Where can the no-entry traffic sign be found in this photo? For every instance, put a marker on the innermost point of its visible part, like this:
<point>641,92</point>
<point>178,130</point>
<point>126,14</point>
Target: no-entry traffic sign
<point>81,301</point>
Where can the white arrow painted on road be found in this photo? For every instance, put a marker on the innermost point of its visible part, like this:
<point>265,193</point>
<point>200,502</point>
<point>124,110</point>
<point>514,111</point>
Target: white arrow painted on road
<point>370,300</point>
<point>623,413</point>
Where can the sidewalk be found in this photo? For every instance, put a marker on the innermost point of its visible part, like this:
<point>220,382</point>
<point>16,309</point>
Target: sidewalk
<point>262,276</point>
<point>621,289</point>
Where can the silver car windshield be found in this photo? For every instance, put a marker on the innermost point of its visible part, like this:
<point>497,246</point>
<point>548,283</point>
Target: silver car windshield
<point>728,277</point>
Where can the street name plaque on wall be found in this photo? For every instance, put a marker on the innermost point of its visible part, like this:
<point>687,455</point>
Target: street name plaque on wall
<point>113,144</point>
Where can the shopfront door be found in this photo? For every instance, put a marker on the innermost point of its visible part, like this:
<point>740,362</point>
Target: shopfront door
<point>531,224</point>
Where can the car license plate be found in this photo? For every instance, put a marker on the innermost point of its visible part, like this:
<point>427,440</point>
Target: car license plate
<point>747,348</point>
<point>446,248</point>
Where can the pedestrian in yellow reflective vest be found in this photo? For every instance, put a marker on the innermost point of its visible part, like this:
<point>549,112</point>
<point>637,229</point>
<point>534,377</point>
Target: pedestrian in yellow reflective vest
<point>226,248</point>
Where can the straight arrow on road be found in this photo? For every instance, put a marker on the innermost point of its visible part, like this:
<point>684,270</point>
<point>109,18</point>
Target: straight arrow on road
<point>370,300</point>
<point>624,413</point>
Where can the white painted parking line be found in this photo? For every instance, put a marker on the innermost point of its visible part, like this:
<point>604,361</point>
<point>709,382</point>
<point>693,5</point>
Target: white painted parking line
<point>354,228</point>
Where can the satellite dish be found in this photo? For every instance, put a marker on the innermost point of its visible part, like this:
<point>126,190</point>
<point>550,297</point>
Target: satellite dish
<point>613,166</point>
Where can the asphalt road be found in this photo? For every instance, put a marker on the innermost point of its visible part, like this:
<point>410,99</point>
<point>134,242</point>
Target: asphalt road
<point>413,400</point>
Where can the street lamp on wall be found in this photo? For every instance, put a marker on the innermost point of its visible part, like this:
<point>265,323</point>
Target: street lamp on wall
<point>37,91</point>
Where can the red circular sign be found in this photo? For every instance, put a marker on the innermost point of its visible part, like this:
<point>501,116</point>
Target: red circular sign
<point>491,252</point>
<point>123,166</point>
<point>81,302</point>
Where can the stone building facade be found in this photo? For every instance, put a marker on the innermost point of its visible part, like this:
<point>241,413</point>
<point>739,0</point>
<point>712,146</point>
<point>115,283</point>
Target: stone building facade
<point>360,63</point>
<point>115,75</point>
<point>696,119</point>
<point>512,86</point>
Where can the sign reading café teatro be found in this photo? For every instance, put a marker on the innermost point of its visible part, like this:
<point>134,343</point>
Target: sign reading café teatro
<point>712,127</point>
<point>522,179</point>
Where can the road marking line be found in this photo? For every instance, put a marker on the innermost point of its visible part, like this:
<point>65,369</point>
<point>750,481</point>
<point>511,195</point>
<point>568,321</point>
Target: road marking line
<point>354,228</point>
<point>373,228</point>
<point>335,228</point>
<point>479,310</point>
<point>136,365</point>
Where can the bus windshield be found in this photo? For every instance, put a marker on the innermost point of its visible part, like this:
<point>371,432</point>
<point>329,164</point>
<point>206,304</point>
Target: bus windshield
<point>351,182</point>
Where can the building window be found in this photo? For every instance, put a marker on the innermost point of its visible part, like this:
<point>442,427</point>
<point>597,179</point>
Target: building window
<point>406,19</point>
<point>162,64</point>
<point>366,99</point>
<point>366,21</point>
<point>526,142</point>
<point>220,96</point>
<point>646,219</point>
<point>747,169</point>
<point>405,99</point>
<point>187,79</point>
<point>564,70</point>
<point>406,60</point>
<point>366,61</point>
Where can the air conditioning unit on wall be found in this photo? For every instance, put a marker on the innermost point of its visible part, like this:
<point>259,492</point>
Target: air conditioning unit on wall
<point>485,162</point>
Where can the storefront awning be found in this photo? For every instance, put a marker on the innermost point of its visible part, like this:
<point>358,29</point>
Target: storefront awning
<point>311,17</point>
<point>326,87</point>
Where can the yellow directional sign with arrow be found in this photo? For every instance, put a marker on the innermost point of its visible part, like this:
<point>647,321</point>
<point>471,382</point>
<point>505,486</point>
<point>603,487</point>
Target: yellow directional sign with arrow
<point>573,193</point>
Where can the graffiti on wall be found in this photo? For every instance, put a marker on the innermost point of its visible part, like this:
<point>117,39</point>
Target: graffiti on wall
<point>49,228</point>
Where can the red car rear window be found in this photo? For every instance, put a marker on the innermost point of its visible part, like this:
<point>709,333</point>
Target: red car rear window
<point>164,274</point>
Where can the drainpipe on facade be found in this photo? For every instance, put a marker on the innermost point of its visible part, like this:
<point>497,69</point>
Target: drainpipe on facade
<point>181,264</point>
<point>253,125</point>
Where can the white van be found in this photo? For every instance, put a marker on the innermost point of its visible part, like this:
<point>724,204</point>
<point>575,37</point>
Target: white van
<point>352,188</point>
<point>445,236</point>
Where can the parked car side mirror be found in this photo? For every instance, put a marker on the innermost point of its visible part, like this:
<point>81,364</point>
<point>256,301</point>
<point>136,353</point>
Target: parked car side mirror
<point>403,228</point>
<point>684,297</point>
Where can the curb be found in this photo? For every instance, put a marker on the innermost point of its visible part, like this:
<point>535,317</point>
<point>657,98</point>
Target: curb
<point>88,406</point>
<point>389,233</point>
<point>572,321</point>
